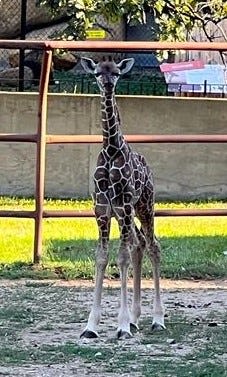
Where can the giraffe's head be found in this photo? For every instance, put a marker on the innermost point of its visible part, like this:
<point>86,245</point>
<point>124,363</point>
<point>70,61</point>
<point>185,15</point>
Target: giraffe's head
<point>107,71</point>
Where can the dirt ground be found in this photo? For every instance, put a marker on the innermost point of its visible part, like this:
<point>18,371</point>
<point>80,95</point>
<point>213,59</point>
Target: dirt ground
<point>40,324</point>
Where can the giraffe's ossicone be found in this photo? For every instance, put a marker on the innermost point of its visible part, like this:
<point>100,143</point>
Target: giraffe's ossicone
<point>123,189</point>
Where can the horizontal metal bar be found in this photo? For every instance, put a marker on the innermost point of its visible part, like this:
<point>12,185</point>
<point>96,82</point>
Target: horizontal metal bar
<point>18,214</point>
<point>95,139</point>
<point>190,212</point>
<point>114,46</point>
<point>68,213</point>
<point>31,138</point>
<point>80,214</point>
<point>11,44</point>
<point>68,139</point>
<point>158,213</point>
<point>137,46</point>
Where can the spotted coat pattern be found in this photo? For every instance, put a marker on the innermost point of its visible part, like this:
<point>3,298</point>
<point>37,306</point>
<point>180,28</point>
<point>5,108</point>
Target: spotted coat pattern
<point>123,189</point>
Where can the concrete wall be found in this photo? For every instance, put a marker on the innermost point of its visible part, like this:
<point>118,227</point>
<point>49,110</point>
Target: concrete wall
<point>184,171</point>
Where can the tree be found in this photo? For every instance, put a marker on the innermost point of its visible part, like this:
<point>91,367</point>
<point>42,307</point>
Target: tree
<point>83,14</point>
<point>176,19</point>
<point>180,20</point>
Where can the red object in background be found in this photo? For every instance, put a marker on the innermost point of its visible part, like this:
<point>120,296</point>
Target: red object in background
<point>181,66</point>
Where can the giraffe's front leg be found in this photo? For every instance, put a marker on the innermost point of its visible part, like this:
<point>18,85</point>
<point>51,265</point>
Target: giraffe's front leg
<point>123,330</point>
<point>154,254</point>
<point>90,330</point>
<point>129,241</point>
<point>158,319</point>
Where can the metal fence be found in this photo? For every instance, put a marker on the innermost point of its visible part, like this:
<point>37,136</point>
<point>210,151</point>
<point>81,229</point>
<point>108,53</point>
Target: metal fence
<point>25,20</point>
<point>21,20</point>
<point>41,138</point>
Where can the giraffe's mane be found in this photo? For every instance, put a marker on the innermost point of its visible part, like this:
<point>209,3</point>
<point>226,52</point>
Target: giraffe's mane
<point>107,59</point>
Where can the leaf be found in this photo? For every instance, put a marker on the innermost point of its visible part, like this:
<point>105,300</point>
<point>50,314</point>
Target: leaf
<point>176,18</point>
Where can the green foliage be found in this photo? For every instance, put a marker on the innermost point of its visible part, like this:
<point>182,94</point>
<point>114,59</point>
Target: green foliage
<point>176,18</point>
<point>83,13</point>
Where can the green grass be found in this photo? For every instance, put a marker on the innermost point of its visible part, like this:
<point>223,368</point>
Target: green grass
<point>51,354</point>
<point>191,247</point>
<point>184,369</point>
<point>32,314</point>
<point>205,357</point>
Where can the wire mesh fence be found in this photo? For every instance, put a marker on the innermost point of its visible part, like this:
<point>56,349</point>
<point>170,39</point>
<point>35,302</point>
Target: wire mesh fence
<point>20,70</point>
<point>10,16</point>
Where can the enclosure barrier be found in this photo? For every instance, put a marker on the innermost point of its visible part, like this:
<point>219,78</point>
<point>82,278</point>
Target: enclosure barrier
<point>42,139</point>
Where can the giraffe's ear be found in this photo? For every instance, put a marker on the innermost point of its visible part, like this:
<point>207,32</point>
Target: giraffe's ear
<point>125,65</point>
<point>88,65</point>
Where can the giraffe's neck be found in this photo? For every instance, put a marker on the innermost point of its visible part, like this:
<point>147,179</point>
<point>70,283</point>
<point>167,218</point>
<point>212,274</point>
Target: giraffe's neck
<point>113,139</point>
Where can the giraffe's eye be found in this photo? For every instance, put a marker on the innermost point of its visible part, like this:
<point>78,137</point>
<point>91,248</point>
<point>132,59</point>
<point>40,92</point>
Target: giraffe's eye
<point>115,74</point>
<point>98,74</point>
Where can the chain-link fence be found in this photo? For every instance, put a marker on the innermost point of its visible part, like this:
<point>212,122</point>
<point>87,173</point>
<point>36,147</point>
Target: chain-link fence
<point>24,19</point>
<point>20,70</point>
<point>10,27</point>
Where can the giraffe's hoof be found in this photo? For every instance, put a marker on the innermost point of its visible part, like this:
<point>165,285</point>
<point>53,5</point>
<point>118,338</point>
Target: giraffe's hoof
<point>157,326</point>
<point>121,334</point>
<point>134,328</point>
<point>89,334</point>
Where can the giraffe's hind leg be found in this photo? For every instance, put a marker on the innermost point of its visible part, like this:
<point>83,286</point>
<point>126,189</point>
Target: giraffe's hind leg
<point>153,248</point>
<point>136,257</point>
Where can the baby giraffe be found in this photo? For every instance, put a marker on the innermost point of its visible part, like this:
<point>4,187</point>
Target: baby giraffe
<point>123,189</point>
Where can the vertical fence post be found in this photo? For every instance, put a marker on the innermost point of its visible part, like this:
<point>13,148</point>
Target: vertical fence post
<point>205,88</point>
<point>41,154</point>
<point>23,25</point>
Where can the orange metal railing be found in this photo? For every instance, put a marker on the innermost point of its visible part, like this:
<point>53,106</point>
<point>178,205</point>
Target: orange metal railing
<point>41,138</point>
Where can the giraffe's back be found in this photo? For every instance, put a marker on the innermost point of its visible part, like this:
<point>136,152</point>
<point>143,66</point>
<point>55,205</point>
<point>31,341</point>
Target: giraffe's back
<point>129,177</point>
<point>143,177</point>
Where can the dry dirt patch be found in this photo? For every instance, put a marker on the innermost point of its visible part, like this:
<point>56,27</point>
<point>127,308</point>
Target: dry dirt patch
<point>41,322</point>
